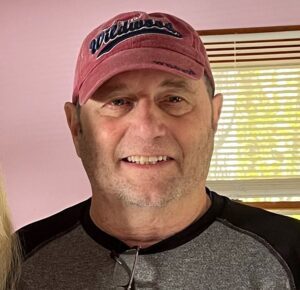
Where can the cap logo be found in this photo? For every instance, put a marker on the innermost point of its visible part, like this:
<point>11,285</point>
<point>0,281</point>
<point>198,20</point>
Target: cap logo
<point>121,31</point>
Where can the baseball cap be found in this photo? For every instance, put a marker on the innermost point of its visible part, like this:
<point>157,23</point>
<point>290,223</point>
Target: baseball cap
<point>138,40</point>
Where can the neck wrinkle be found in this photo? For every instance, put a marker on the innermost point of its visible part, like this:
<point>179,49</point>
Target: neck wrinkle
<point>135,228</point>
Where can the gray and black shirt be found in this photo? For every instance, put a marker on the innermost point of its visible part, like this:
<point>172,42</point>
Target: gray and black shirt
<point>233,246</point>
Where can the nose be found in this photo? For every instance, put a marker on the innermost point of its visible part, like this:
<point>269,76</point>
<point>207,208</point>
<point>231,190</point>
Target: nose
<point>147,121</point>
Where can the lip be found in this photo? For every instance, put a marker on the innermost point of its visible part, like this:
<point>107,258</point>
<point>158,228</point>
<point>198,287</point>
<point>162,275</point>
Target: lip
<point>157,165</point>
<point>146,155</point>
<point>146,158</point>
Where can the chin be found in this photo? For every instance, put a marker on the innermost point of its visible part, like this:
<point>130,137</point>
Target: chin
<point>151,198</point>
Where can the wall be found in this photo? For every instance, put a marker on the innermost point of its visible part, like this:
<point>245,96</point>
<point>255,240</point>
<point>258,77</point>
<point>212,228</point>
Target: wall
<point>39,43</point>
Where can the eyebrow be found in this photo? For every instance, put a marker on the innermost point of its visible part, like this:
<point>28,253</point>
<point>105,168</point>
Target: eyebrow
<point>177,84</point>
<point>107,90</point>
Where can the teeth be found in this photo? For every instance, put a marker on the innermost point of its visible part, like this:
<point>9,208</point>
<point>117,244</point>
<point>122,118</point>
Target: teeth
<point>146,159</point>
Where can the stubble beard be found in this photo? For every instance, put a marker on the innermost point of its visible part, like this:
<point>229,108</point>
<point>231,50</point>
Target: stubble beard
<point>107,185</point>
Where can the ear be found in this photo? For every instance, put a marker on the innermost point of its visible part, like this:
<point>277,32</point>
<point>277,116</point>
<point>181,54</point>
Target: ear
<point>74,124</point>
<point>217,102</point>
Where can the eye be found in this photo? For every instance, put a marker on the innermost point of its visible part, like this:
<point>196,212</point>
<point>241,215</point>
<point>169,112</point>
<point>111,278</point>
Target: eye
<point>120,102</point>
<point>175,105</point>
<point>175,99</point>
<point>117,106</point>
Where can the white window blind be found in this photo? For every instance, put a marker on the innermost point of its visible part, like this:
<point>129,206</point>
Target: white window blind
<point>257,147</point>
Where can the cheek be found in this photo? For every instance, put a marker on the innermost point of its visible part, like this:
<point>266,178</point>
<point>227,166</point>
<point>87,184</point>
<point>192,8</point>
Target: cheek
<point>193,125</point>
<point>192,133</point>
<point>108,130</point>
<point>106,134</point>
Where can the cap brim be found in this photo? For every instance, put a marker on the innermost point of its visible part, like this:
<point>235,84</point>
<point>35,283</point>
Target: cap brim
<point>139,58</point>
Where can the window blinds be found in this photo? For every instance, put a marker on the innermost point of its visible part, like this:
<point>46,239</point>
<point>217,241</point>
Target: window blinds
<point>257,146</point>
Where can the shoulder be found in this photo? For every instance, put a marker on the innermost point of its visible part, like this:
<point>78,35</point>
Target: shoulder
<point>280,234</point>
<point>261,222</point>
<point>36,234</point>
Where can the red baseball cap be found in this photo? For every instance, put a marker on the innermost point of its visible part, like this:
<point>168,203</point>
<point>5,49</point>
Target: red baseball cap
<point>137,40</point>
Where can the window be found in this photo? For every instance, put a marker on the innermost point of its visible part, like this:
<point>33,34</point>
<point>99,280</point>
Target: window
<point>257,146</point>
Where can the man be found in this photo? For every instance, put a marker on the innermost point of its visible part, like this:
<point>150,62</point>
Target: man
<point>143,120</point>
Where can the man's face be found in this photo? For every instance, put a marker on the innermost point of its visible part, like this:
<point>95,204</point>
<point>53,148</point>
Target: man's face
<point>146,137</point>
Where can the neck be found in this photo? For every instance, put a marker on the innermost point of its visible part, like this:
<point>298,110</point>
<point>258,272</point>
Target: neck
<point>146,226</point>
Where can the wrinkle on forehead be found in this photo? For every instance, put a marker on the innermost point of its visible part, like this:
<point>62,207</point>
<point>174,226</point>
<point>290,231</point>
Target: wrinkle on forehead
<point>125,82</point>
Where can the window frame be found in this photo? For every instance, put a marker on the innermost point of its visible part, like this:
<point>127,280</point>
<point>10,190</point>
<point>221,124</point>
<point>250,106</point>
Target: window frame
<point>277,206</point>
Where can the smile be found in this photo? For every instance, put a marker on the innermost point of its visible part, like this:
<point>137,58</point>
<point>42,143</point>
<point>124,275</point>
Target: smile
<point>146,159</point>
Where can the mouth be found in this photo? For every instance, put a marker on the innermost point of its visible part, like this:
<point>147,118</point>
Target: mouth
<point>147,160</point>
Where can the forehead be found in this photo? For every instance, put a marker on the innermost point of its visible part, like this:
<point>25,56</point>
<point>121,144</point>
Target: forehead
<point>149,79</point>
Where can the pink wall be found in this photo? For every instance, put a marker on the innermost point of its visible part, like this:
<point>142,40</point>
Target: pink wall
<point>39,43</point>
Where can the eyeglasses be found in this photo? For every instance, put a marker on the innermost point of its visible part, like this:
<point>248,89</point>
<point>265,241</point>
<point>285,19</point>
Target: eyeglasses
<point>130,285</point>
